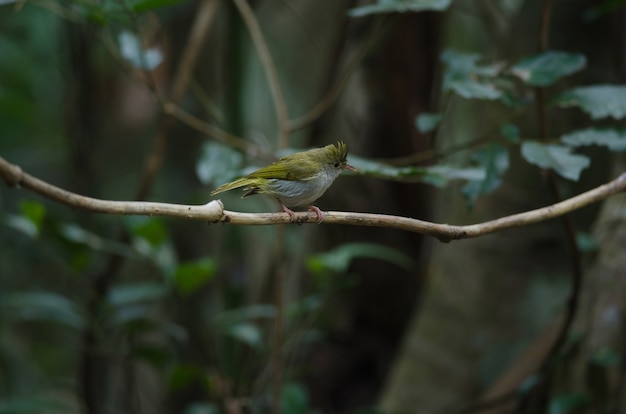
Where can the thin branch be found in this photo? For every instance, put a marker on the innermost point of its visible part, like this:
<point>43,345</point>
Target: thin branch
<point>214,211</point>
<point>200,27</point>
<point>332,94</point>
<point>216,133</point>
<point>269,67</point>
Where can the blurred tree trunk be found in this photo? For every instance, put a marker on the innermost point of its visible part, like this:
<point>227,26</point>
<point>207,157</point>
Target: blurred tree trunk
<point>596,372</point>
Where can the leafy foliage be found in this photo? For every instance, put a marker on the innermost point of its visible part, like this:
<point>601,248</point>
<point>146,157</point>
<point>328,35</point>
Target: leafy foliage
<point>217,164</point>
<point>338,259</point>
<point>547,68</point>
<point>400,6</point>
<point>468,79</point>
<point>599,101</point>
<point>427,122</point>
<point>613,139</point>
<point>556,157</point>
<point>494,159</point>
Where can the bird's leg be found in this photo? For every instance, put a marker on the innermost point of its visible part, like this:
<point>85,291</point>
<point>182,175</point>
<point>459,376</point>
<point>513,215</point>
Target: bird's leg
<point>292,215</point>
<point>320,214</point>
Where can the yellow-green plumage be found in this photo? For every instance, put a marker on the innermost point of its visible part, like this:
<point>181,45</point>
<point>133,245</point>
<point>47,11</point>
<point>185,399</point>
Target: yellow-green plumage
<point>297,179</point>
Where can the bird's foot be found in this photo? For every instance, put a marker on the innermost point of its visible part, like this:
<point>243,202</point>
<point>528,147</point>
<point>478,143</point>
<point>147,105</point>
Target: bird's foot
<point>320,214</point>
<point>292,215</point>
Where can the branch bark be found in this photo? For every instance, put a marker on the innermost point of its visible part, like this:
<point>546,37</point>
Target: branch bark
<point>214,211</point>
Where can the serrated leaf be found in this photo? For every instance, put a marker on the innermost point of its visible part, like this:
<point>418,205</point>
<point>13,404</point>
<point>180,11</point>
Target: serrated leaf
<point>427,122</point>
<point>137,292</point>
<point>464,76</point>
<point>436,175</point>
<point>568,403</point>
<point>338,260</point>
<point>148,5</point>
<point>400,6</point>
<point>43,306</point>
<point>613,139</point>
<point>599,101</point>
<point>494,159</point>
<point>136,55</point>
<point>218,164</point>
<point>556,157</point>
<point>190,276</point>
<point>548,67</point>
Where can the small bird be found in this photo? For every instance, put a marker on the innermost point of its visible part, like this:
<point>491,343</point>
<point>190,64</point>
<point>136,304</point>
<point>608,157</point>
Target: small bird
<point>296,180</point>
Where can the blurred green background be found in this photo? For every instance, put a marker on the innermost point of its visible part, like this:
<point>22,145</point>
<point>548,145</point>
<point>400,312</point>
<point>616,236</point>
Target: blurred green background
<point>456,112</point>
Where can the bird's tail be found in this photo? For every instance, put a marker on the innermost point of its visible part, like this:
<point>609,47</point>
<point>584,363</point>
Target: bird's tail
<point>238,183</point>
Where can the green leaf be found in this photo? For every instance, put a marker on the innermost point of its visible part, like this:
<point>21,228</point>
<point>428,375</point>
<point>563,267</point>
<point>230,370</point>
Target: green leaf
<point>427,122</point>
<point>494,159</point>
<point>136,55</point>
<point>218,164</point>
<point>548,67</point>
<point>234,316</point>
<point>152,240</point>
<point>190,276</point>
<point>599,101</point>
<point>464,76</point>
<point>247,333</point>
<point>294,399</point>
<point>510,132</point>
<point>568,403</point>
<point>76,234</point>
<point>34,212</point>
<point>338,260</point>
<point>152,230</point>
<point>400,6</point>
<point>613,139</point>
<point>556,157</point>
<point>43,306</point>
<point>437,175</point>
<point>30,222</point>
<point>137,292</point>
<point>182,375</point>
<point>148,5</point>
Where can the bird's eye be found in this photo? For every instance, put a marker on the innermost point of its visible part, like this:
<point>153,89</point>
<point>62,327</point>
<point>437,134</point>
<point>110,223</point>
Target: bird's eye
<point>337,165</point>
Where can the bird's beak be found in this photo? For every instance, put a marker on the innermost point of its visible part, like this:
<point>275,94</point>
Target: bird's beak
<point>349,167</point>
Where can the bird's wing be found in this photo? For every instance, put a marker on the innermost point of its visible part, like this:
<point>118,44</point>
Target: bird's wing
<point>277,170</point>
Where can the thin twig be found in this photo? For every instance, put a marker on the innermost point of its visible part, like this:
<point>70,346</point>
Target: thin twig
<point>213,211</point>
<point>200,28</point>
<point>332,94</point>
<point>216,133</point>
<point>270,70</point>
